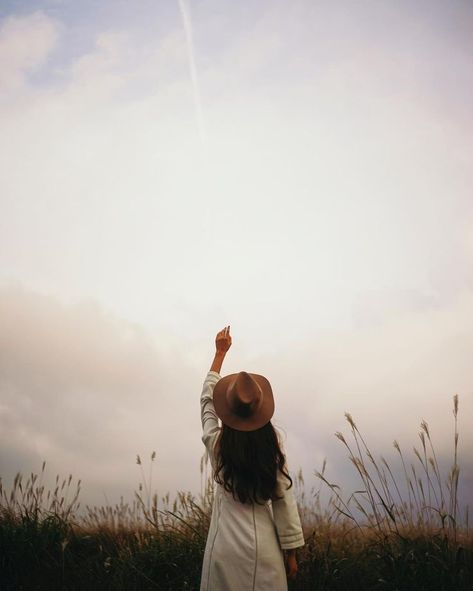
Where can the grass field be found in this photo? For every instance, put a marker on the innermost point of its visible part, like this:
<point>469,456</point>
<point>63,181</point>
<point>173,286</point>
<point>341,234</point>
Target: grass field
<point>396,533</point>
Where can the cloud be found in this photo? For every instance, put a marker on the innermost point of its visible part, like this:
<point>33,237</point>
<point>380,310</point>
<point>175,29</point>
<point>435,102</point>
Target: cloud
<point>25,44</point>
<point>87,391</point>
<point>344,266</point>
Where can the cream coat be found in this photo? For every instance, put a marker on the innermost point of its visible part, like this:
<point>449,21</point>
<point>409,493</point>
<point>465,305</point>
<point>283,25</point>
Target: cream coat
<point>245,541</point>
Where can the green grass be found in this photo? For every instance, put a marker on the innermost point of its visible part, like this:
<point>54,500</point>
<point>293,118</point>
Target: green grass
<point>393,533</point>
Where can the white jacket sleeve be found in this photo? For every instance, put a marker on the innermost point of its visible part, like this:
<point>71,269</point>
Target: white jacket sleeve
<point>210,426</point>
<point>286,515</point>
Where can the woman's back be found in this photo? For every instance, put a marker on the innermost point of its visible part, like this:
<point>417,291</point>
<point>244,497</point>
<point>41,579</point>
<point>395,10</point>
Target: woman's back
<point>242,550</point>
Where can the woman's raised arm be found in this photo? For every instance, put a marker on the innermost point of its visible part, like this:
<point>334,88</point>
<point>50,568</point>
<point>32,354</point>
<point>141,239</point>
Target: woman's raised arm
<point>209,418</point>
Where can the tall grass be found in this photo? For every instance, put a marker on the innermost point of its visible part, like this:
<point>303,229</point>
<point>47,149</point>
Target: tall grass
<point>423,501</point>
<point>401,529</point>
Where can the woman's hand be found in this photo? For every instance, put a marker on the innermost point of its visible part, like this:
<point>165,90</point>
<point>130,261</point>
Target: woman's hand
<point>223,340</point>
<point>291,564</point>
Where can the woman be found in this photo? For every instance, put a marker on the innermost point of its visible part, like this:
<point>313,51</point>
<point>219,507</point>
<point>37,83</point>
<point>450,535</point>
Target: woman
<point>255,526</point>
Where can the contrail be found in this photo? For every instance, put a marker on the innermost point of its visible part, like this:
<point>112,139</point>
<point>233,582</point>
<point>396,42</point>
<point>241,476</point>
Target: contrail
<point>186,22</point>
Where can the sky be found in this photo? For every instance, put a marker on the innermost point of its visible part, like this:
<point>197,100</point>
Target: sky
<point>300,171</point>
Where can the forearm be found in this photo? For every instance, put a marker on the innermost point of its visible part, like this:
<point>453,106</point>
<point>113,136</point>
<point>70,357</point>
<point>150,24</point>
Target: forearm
<point>217,362</point>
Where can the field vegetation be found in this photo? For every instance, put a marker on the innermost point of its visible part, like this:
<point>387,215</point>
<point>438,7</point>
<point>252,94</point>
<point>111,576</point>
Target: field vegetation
<point>394,533</point>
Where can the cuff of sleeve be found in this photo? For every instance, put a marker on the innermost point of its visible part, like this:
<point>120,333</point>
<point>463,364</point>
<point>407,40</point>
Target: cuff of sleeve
<point>292,541</point>
<point>214,374</point>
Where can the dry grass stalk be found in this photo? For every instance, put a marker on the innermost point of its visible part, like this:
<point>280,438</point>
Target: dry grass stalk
<point>382,506</point>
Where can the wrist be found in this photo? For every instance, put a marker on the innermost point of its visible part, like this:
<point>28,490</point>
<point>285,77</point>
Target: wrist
<point>217,362</point>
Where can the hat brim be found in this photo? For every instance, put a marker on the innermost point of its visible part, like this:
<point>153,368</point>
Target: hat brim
<point>258,419</point>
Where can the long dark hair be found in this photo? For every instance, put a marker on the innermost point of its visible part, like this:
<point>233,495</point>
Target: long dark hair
<point>248,461</point>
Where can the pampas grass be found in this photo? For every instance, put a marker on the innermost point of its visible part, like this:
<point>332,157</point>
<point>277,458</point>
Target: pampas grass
<point>402,529</point>
<point>423,501</point>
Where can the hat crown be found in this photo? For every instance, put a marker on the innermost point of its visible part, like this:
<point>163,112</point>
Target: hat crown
<point>243,401</point>
<point>245,395</point>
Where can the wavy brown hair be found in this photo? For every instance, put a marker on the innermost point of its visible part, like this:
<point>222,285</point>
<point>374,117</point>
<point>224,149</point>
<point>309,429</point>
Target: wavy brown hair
<point>248,461</point>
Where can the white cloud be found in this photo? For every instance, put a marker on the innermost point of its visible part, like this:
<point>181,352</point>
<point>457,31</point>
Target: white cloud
<point>25,44</point>
<point>104,66</point>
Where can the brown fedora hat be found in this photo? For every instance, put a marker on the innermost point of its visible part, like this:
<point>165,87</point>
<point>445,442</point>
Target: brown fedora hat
<point>244,401</point>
